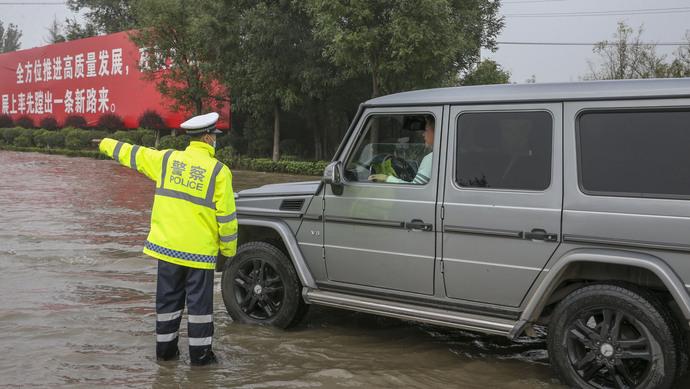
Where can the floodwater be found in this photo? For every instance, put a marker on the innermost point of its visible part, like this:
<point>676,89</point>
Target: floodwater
<point>77,305</point>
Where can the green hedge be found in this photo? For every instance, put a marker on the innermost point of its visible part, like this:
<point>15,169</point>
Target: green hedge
<point>77,143</point>
<point>70,153</point>
<point>307,168</point>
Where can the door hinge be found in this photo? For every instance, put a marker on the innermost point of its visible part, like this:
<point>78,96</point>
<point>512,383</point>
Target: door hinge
<point>323,203</point>
<point>323,252</point>
<point>443,212</point>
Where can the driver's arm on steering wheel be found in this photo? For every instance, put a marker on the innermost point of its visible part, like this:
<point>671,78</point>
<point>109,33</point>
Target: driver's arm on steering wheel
<point>384,178</point>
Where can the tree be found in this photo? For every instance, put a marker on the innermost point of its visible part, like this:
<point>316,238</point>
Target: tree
<point>627,57</point>
<point>680,67</point>
<point>486,72</point>
<point>172,38</point>
<point>106,16</point>
<point>268,58</point>
<point>54,33</point>
<point>74,30</point>
<point>9,38</point>
<point>403,45</point>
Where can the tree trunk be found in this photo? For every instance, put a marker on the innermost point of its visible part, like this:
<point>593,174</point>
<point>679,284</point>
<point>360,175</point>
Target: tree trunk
<point>374,93</point>
<point>374,84</point>
<point>276,133</point>
<point>316,126</point>
<point>158,138</point>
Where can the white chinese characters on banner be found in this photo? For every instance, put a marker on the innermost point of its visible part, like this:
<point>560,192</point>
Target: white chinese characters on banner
<point>103,100</point>
<point>80,65</point>
<point>41,102</point>
<point>47,70</point>
<point>92,64</point>
<point>103,61</point>
<point>117,62</point>
<point>29,70</point>
<point>68,67</point>
<point>57,68</point>
<point>69,102</point>
<point>38,70</point>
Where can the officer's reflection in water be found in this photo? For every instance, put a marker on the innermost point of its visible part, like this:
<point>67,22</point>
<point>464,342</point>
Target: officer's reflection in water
<point>424,172</point>
<point>193,224</point>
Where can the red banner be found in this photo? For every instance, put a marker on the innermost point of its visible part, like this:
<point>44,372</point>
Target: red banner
<point>87,77</point>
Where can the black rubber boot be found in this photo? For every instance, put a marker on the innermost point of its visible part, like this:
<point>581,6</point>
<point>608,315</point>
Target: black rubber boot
<point>168,355</point>
<point>203,358</point>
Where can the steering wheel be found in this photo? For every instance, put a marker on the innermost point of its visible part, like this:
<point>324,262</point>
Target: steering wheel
<point>403,169</point>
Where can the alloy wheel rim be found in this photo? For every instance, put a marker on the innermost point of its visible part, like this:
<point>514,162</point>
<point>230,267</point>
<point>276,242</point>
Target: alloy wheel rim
<point>259,289</point>
<point>608,348</point>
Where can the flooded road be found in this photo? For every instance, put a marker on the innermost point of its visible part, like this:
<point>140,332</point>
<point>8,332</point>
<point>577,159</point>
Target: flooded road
<point>77,305</point>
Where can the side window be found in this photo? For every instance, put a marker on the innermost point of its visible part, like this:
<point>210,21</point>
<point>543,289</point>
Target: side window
<point>635,154</point>
<point>393,149</point>
<point>504,150</point>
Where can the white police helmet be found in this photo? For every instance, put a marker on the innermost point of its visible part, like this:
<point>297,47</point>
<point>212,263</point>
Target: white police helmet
<point>201,124</point>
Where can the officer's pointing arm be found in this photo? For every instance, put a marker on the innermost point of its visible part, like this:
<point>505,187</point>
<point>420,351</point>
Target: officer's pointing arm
<point>141,159</point>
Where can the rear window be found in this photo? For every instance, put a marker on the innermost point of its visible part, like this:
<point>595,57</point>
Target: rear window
<point>504,150</point>
<point>635,154</point>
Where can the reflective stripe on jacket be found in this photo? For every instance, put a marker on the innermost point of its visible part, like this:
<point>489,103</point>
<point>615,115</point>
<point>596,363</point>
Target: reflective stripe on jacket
<point>193,217</point>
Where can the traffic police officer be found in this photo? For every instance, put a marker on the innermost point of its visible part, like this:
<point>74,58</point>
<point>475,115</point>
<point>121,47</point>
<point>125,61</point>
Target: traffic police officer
<point>192,223</point>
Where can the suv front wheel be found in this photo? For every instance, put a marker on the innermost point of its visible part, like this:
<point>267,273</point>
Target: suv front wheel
<point>612,336</point>
<point>260,286</point>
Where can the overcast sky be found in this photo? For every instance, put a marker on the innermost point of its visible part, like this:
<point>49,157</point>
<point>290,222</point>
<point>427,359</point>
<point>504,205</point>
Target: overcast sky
<point>663,20</point>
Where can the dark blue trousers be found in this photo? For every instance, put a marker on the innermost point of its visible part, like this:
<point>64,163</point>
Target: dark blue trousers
<point>175,284</point>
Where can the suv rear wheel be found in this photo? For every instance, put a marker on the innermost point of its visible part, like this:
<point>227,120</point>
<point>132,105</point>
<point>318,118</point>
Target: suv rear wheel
<point>260,286</point>
<point>612,336</point>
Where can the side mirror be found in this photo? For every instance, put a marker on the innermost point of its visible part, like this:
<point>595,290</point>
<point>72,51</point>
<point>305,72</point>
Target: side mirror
<point>332,176</point>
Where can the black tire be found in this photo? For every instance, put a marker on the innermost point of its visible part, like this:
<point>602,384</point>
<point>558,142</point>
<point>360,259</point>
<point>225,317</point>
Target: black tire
<point>613,336</point>
<point>260,286</point>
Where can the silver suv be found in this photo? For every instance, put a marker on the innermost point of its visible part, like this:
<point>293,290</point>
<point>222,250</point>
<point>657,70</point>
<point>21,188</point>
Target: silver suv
<point>493,209</point>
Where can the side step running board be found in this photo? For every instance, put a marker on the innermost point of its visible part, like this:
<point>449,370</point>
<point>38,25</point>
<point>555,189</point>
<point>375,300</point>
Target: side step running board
<point>435,316</point>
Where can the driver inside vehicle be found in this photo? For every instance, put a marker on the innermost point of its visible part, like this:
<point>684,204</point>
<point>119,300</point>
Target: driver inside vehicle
<point>424,172</point>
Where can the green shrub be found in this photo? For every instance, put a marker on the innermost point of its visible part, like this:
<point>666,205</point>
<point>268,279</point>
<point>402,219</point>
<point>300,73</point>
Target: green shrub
<point>179,142</point>
<point>152,120</point>
<point>140,136</point>
<point>110,122</point>
<point>40,138</point>
<point>6,121</point>
<point>76,139</point>
<point>8,134</point>
<point>24,122</point>
<point>76,121</point>
<point>123,136</point>
<point>309,168</point>
<point>55,140</point>
<point>49,123</point>
<point>148,138</point>
<point>25,139</point>
<point>227,153</point>
<point>49,139</point>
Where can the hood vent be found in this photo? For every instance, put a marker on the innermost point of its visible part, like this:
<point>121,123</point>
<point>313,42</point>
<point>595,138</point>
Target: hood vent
<point>292,205</point>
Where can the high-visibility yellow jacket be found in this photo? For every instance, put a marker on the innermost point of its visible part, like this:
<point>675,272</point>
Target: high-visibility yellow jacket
<point>193,217</point>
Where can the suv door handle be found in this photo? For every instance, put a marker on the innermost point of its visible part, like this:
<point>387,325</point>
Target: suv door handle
<point>417,224</point>
<point>540,234</point>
